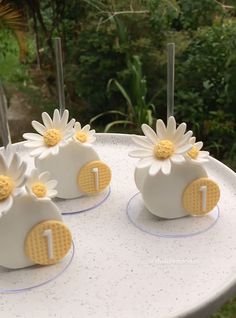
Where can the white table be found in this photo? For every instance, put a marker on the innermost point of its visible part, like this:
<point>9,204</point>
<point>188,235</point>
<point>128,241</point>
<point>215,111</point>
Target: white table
<point>121,272</point>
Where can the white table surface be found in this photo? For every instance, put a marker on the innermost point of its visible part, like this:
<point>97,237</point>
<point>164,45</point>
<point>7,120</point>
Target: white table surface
<point>121,272</point>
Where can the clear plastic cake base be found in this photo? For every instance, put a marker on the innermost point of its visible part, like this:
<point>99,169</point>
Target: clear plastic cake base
<point>82,204</point>
<point>181,227</point>
<point>21,280</point>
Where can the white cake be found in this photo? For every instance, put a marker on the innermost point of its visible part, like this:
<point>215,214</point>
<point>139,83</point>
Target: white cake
<point>65,150</point>
<point>31,227</point>
<point>170,173</point>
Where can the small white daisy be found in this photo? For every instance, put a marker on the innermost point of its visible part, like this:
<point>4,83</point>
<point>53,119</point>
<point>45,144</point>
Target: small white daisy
<point>12,179</point>
<point>84,135</point>
<point>40,186</point>
<point>159,150</point>
<point>55,133</point>
<point>194,154</point>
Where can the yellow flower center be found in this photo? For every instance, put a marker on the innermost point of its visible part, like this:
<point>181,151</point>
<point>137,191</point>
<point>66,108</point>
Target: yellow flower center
<point>193,153</point>
<point>164,149</point>
<point>52,137</point>
<point>6,187</point>
<point>81,136</point>
<point>39,189</point>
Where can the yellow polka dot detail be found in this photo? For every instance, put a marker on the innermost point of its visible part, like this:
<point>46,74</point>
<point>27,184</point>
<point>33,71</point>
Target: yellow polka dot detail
<point>94,177</point>
<point>201,196</point>
<point>48,242</point>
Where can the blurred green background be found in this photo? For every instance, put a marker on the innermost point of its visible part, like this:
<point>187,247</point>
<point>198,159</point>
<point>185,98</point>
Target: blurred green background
<point>114,55</point>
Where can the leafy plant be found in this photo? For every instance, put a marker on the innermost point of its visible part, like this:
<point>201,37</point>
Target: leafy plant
<point>138,110</point>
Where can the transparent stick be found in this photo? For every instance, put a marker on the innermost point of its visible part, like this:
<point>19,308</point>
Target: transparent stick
<point>5,131</point>
<point>60,77</point>
<point>170,78</point>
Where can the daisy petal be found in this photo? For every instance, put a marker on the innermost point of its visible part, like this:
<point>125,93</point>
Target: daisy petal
<point>34,144</point>
<point>177,159</point>
<point>145,162</point>
<point>51,184</point>
<point>32,136</point>
<point>85,129</point>
<point>185,139</point>
<point>155,167</point>
<point>45,153</point>
<point>3,167</point>
<point>142,141</point>
<point>51,193</point>
<point>6,204</point>
<point>38,151</point>
<point>56,119</point>
<point>140,153</point>
<point>47,120</point>
<point>166,167</point>
<point>180,132</point>
<point>77,126</point>
<point>161,129</point>
<point>203,152</point>
<point>171,128</point>
<point>55,150</point>
<point>150,133</point>
<point>91,132</point>
<point>198,145</point>
<point>39,127</point>
<point>45,176</point>
<point>183,149</point>
<point>64,118</point>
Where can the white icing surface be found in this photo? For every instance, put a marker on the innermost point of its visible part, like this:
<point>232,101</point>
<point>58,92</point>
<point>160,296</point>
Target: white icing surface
<point>162,194</point>
<point>25,213</point>
<point>65,166</point>
<point>120,272</point>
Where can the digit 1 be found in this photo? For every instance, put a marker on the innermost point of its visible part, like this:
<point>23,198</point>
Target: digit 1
<point>96,178</point>
<point>203,190</point>
<point>48,235</point>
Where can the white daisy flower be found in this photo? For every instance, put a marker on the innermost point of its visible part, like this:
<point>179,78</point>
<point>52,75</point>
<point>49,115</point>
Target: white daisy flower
<point>55,133</point>
<point>194,154</point>
<point>40,186</point>
<point>83,135</point>
<point>12,179</point>
<point>159,150</point>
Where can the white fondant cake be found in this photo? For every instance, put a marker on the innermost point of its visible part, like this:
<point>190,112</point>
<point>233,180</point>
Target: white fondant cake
<point>64,149</point>
<point>28,218</point>
<point>170,173</point>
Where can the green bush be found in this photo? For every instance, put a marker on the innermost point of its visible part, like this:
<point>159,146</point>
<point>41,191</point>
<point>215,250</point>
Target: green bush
<point>204,86</point>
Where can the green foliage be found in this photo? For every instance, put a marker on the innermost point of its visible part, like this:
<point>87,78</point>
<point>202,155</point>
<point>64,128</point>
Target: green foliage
<point>99,59</point>
<point>205,95</point>
<point>195,14</point>
<point>138,110</point>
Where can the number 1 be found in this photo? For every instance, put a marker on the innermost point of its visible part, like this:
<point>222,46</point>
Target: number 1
<point>203,190</point>
<point>96,176</point>
<point>48,235</point>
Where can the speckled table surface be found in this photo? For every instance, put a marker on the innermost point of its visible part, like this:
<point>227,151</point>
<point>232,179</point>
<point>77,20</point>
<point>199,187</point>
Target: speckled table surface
<point>120,271</point>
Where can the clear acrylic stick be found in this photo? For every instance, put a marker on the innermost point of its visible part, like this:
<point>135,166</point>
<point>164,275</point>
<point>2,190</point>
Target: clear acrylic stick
<point>170,78</point>
<point>5,131</point>
<point>60,77</point>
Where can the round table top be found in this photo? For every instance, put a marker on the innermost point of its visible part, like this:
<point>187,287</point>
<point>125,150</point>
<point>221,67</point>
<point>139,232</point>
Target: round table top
<point>120,271</point>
